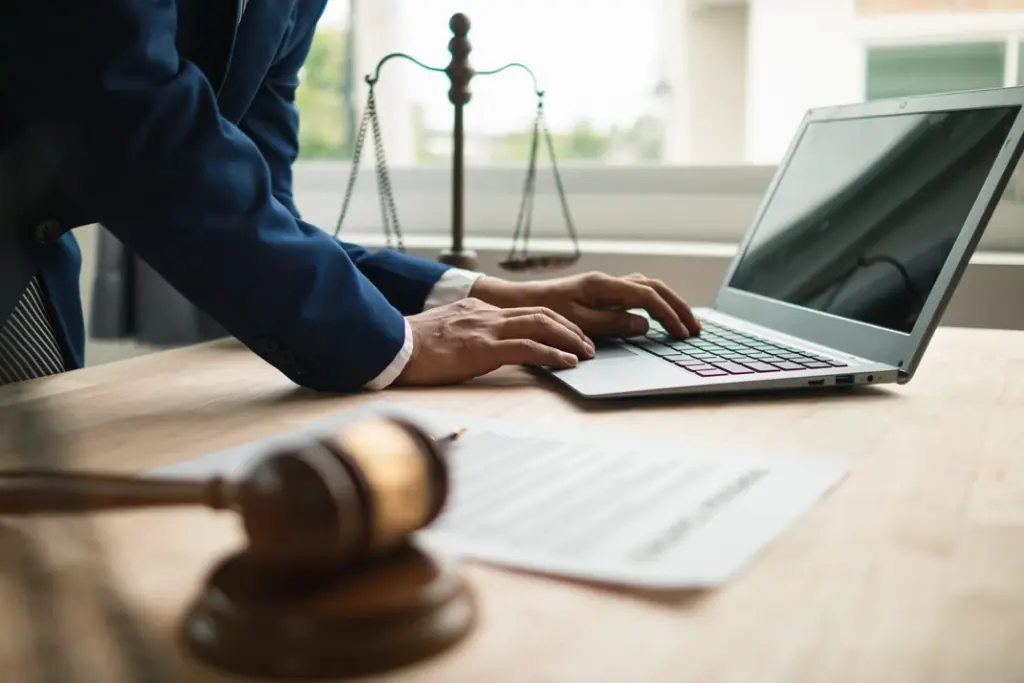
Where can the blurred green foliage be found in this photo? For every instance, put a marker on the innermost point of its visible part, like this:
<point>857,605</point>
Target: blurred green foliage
<point>324,119</point>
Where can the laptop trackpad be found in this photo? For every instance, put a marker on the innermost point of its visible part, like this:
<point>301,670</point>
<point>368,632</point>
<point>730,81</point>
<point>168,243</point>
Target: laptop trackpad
<point>607,350</point>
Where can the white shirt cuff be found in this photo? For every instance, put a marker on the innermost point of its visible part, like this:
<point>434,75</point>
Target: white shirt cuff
<point>453,285</point>
<point>395,367</point>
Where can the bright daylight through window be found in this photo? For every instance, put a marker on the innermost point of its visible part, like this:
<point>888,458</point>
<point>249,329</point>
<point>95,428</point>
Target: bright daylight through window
<point>667,116</point>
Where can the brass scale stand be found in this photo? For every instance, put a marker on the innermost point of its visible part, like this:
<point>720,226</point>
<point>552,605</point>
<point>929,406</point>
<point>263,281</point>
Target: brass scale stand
<point>460,73</point>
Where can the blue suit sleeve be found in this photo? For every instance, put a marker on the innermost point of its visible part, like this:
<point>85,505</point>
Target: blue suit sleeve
<point>272,122</point>
<point>189,192</point>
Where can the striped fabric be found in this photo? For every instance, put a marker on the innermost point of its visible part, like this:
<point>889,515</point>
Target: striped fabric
<point>28,346</point>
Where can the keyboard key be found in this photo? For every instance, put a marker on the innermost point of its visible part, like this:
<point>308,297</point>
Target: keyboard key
<point>734,368</point>
<point>703,367</point>
<point>713,372</point>
<point>720,350</point>
<point>761,367</point>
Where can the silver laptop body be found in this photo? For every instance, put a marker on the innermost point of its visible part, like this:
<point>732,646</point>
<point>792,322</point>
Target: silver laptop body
<point>856,250</point>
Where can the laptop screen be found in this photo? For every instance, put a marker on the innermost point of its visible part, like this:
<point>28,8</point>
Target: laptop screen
<point>867,210</point>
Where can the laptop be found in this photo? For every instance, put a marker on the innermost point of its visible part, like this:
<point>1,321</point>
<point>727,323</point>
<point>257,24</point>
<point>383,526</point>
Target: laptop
<point>854,254</point>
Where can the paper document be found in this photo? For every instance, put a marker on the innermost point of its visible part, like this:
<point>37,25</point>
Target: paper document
<point>604,508</point>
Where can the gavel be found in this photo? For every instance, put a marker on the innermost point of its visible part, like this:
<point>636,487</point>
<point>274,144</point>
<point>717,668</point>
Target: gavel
<point>328,585</point>
<point>361,489</point>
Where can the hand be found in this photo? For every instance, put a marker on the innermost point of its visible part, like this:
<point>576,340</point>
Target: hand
<point>597,302</point>
<point>469,338</point>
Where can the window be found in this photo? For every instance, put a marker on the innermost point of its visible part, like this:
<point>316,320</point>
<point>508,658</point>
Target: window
<point>602,102</point>
<point>668,116</point>
<point>324,98</point>
<point>902,71</point>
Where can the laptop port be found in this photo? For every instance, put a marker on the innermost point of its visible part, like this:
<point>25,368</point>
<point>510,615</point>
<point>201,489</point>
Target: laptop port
<point>844,379</point>
<point>815,382</point>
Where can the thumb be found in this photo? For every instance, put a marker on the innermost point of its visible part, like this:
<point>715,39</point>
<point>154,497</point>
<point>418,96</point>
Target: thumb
<point>610,323</point>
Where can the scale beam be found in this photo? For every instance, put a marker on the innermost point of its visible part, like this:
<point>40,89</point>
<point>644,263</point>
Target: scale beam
<point>460,74</point>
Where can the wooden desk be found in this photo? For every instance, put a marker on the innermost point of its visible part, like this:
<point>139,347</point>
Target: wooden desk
<point>912,570</point>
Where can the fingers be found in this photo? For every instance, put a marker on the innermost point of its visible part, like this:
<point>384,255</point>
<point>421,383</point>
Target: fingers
<point>548,330</point>
<point>677,303</point>
<point>557,317</point>
<point>611,323</point>
<point>530,352</point>
<point>628,293</point>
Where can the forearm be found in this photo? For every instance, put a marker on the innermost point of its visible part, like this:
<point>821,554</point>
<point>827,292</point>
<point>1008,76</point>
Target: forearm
<point>409,282</point>
<point>500,292</point>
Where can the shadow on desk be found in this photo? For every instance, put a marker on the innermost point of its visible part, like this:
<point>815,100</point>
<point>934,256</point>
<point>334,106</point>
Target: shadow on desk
<point>719,399</point>
<point>513,378</point>
<point>52,583</point>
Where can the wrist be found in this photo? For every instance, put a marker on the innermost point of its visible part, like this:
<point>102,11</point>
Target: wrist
<point>410,363</point>
<point>499,292</point>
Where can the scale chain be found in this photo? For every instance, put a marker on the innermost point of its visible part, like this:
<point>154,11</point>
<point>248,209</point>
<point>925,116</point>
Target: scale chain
<point>560,188</point>
<point>388,207</point>
<point>387,197</point>
<point>525,217</point>
<point>357,152</point>
<point>524,220</point>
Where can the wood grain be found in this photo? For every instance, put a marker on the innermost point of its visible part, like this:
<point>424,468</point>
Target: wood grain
<point>912,570</point>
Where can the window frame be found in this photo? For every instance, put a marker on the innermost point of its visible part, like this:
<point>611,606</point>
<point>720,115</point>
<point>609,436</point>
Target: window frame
<point>946,28</point>
<point>1000,71</point>
<point>656,204</point>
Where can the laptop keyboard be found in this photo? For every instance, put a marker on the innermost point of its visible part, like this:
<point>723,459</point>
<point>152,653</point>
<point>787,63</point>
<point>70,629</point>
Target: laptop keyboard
<point>720,350</point>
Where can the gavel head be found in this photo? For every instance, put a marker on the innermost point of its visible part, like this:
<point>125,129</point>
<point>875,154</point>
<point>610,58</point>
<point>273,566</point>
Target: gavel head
<point>359,491</point>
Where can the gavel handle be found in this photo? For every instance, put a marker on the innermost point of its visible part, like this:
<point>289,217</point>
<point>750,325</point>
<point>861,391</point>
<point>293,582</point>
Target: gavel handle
<point>31,492</point>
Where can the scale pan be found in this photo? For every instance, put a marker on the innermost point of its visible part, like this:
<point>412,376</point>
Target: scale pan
<point>521,264</point>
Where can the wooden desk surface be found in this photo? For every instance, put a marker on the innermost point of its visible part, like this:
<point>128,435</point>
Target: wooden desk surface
<point>912,570</point>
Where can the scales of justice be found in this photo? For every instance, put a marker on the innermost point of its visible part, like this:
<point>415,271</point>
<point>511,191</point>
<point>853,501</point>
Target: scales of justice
<point>460,74</point>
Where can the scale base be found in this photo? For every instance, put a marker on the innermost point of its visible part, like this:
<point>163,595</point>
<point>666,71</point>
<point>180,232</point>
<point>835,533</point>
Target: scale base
<point>388,613</point>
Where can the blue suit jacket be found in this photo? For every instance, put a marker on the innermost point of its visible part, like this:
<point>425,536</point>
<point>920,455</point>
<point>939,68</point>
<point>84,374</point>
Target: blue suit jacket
<point>175,127</point>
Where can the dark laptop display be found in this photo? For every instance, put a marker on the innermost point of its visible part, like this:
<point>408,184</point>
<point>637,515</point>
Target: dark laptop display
<point>867,212</point>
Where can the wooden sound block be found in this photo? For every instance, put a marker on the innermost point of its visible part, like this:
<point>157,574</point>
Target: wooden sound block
<point>386,613</point>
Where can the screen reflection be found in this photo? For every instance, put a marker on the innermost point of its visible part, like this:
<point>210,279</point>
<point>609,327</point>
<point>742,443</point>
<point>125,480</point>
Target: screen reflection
<point>867,211</point>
